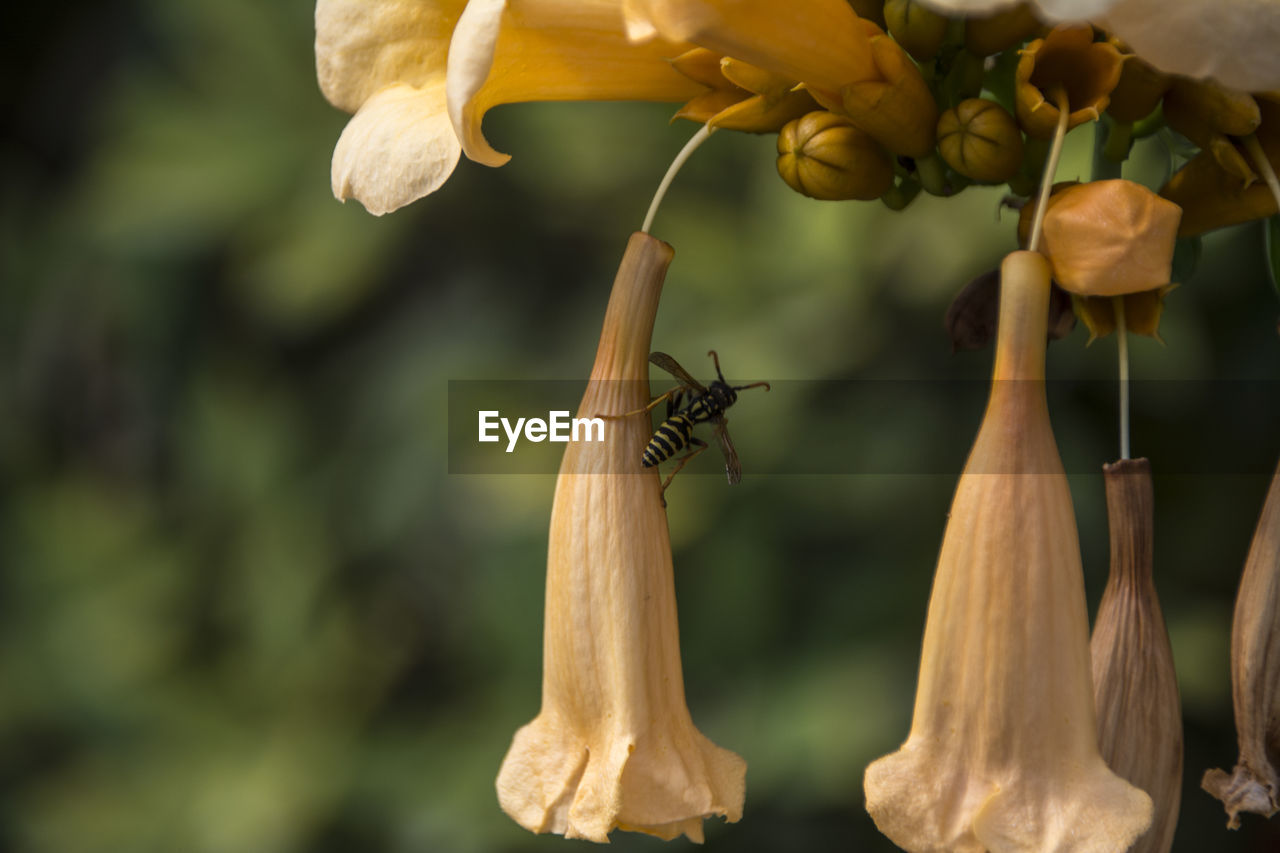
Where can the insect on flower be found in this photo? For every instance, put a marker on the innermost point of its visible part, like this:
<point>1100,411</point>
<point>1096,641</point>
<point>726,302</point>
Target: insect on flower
<point>702,405</point>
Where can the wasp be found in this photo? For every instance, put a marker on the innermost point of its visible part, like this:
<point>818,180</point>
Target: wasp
<point>688,404</point>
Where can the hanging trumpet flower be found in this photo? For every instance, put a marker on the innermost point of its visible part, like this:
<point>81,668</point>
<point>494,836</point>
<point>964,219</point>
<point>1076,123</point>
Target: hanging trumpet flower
<point>1003,752</point>
<point>1254,785</point>
<point>614,746</point>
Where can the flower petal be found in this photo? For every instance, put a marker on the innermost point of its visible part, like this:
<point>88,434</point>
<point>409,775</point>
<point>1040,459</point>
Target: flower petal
<point>818,42</point>
<point>509,51</point>
<point>1232,41</point>
<point>397,148</point>
<point>364,45</point>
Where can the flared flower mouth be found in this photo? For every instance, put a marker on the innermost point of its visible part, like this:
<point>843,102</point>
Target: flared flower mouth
<point>1070,61</point>
<point>614,746</point>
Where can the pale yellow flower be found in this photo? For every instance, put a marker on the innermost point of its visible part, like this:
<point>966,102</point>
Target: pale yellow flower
<point>420,74</point>
<point>614,746</point>
<point>1003,750</point>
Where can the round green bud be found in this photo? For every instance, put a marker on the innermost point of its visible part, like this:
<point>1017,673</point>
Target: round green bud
<point>823,156</point>
<point>980,140</point>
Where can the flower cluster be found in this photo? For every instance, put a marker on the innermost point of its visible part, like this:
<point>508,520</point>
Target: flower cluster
<point>1017,742</point>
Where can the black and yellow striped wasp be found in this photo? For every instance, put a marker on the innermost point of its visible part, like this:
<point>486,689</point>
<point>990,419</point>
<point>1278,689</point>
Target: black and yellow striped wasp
<point>702,405</point>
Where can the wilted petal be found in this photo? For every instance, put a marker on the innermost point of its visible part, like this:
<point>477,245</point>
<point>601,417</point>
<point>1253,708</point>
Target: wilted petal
<point>510,51</point>
<point>398,148</point>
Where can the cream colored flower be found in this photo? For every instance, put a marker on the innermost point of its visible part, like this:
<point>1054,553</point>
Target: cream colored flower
<point>1003,751</point>
<point>420,74</point>
<point>613,746</point>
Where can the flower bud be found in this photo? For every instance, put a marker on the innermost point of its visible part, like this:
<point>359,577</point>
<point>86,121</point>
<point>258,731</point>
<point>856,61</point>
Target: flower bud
<point>1207,113</point>
<point>823,156</point>
<point>919,30</point>
<point>613,746</point>
<point>996,33</point>
<point>980,140</point>
<point>1139,91</point>
<point>896,107</point>
<point>741,96</point>
<point>1068,59</point>
<point>1135,688</point>
<point>1254,784</point>
<point>1107,238</point>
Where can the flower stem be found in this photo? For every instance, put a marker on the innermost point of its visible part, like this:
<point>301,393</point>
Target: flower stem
<point>1050,167</point>
<point>1263,164</point>
<point>1122,340</point>
<point>688,149</point>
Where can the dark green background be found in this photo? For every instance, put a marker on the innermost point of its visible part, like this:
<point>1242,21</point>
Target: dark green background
<point>243,607</point>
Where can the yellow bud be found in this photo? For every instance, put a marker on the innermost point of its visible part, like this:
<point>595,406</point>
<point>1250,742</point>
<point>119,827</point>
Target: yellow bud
<point>1196,107</point>
<point>996,33</point>
<point>980,140</point>
<point>896,107</point>
<point>1068,59</point>
<point>1108,238</point>
<point>920,31</point>
<point>823,156</point>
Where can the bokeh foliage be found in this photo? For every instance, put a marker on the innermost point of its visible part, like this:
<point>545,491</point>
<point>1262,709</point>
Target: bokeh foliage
<point>245,607</point>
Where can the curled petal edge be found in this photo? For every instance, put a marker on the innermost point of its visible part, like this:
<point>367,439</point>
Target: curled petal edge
<point>398,148</point>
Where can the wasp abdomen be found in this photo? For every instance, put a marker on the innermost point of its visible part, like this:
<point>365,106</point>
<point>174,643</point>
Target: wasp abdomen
<point>671,437</point>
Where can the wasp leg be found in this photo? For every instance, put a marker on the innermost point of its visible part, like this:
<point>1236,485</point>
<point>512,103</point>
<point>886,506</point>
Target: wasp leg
<point>698,446</point>
<point>633,412</point>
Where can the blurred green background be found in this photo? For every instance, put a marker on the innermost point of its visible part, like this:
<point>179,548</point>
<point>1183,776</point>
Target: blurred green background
<point>245,607</point>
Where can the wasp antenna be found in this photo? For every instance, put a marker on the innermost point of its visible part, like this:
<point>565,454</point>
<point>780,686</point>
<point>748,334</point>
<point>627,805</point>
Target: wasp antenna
<point>764,385</point>
<point>716,359</point>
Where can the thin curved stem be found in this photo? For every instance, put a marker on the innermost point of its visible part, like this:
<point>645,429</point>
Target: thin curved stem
<point>689,147</point>
<point>1122,341</point>
<point>1050,167</point>
<point>1264,165</point>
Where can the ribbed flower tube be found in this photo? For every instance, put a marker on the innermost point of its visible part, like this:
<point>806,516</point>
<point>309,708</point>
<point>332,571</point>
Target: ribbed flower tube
<point>1003,755</point>
<point>614,745</point>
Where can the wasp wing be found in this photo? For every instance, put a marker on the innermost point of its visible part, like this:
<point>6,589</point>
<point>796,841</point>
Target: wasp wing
<point>669,364</point>
<point>732,467</point>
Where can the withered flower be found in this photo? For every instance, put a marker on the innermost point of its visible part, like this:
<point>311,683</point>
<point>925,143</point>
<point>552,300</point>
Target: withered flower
<point>613,746</point>
<point>823,156</point>
<point>1135,688</point>
<point>1254,784</point>
<point>1003,751</point>
<point>1069,59</point>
